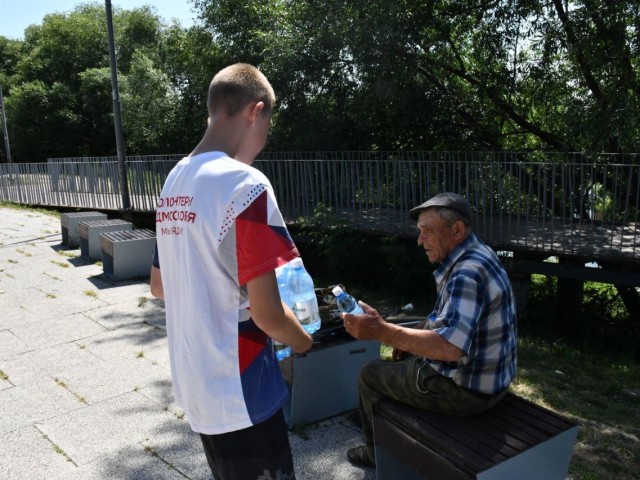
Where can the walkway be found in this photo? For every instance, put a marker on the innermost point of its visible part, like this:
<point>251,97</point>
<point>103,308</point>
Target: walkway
<point>85,388</point>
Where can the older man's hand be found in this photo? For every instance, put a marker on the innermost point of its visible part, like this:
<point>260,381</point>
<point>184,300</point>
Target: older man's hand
<point>367,326</point>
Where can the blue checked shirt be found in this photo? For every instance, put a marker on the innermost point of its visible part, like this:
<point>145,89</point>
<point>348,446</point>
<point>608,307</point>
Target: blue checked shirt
<point>475,311</point>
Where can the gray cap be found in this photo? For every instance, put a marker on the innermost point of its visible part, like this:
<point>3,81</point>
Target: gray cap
<point>447,200</point>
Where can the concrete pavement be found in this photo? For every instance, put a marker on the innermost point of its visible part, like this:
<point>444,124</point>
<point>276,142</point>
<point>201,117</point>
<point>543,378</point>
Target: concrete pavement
<point>85,387</point>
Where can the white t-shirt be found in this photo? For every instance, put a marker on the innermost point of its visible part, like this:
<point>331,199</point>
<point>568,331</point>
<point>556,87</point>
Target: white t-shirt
<point>218,226</point>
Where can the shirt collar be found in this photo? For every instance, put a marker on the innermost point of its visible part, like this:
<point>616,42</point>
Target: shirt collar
<point>453,257</point>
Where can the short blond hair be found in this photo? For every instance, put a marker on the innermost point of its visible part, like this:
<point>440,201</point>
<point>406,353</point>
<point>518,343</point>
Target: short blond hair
<point>237,85</point>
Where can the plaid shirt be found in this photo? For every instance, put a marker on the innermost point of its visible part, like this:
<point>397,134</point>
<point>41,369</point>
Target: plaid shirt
<point>475,311</point>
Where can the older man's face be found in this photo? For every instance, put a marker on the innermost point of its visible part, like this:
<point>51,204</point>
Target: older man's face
<point>436,237</point>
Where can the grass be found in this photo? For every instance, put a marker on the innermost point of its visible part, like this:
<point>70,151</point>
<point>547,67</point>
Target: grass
<point>599,392</point>
<point>57,448</point>
<point>60,264</point>
<point>16,206</point>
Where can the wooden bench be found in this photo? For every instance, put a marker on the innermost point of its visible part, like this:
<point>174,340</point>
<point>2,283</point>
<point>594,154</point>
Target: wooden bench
<point>69,225</point>
<point>89,232</point>
<point>127,254</point>
<point>516,439</point>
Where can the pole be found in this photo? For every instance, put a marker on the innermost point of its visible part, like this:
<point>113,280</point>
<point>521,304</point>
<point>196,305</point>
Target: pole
<point>122,168</point>
<point>7,148</point>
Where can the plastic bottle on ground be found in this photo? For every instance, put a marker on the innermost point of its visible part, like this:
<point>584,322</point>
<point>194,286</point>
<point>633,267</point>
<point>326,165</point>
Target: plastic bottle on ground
<point>346,303</point>
<point>304,302</point>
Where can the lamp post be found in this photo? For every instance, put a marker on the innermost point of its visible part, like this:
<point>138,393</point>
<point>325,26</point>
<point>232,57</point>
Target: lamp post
<point>122,168</point>
<point>7,148</point>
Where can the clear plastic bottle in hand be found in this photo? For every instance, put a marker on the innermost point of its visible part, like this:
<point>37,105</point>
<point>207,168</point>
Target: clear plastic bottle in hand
<point>281,350</point>
<point>302,296</point>
<point>346,303</point>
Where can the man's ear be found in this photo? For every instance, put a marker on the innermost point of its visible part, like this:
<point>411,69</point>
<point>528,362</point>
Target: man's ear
<point>255,110</point>
<point>458,228</point>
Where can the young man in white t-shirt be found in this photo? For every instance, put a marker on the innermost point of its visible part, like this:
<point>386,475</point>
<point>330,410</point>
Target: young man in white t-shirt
<point>220,236</point>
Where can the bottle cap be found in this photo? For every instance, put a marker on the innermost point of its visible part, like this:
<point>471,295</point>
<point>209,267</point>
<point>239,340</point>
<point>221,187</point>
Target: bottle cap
<point>337,291</point>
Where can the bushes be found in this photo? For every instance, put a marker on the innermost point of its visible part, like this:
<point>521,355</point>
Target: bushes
<point>391,269</point>
<point>602,325</point>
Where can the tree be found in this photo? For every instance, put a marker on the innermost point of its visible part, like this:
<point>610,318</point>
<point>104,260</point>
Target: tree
<point>47,120</point>
<point>96,110</point>
<point>149,107</point>
<point>493,74</point>
<point>67,57</point>
<point>189,57</point>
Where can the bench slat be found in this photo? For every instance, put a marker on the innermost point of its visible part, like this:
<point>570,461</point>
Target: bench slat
<point>544,420</point>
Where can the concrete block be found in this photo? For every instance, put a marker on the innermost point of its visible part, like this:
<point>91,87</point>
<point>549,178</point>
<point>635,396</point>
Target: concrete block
<point>69,225</point>
<point>127,254</point>
<point>89,232</point>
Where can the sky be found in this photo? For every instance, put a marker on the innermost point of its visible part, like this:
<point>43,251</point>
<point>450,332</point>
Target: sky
<point>16,15</point>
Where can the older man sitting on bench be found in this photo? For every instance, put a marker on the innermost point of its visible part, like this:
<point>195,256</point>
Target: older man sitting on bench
<point>462,358</point>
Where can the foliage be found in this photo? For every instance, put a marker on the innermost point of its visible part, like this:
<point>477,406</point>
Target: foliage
<point>149,105</point>
<point>59,100</point>
<point>428,75</point>
<point>603,324</point>
<point>48,118</point>
<point>374,75</point>
<point>388,267</point>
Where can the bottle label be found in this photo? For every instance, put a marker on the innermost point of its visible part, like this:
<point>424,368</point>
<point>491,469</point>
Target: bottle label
<point>302,311</point>
<point>306,312</point>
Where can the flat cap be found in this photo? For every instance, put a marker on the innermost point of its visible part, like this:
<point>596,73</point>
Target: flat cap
<point>447,200</point>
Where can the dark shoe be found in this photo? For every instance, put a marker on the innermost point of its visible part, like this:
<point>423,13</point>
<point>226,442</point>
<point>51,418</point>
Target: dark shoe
<point>359,457</point>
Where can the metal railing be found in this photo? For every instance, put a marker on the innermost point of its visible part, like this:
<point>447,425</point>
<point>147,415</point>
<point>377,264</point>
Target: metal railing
<point>585,205</point>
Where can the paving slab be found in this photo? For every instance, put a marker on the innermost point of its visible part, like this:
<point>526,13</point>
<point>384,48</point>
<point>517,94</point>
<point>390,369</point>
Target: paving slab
<point>136,462</point>
<point>26,453</point>
<point>181,448</point>
<point>14,314</point>
<point>101,381</point>
<point>161,393</point>
<point>59,330</point>
<point>10,344</point>
<point>320,451</point>
<point>47,361</point>
<point>132,311</point>
<point>131,341</point>
<point>23,405</point>
<point>106,428</point>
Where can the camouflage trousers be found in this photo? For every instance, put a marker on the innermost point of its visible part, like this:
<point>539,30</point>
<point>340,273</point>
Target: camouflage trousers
<point>415,383</point>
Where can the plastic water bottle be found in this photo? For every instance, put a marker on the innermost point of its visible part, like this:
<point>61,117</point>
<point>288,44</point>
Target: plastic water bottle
<point>281,350</point>
<point>304,302</point>
<point>346,303</point>
<point>282,277</point>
